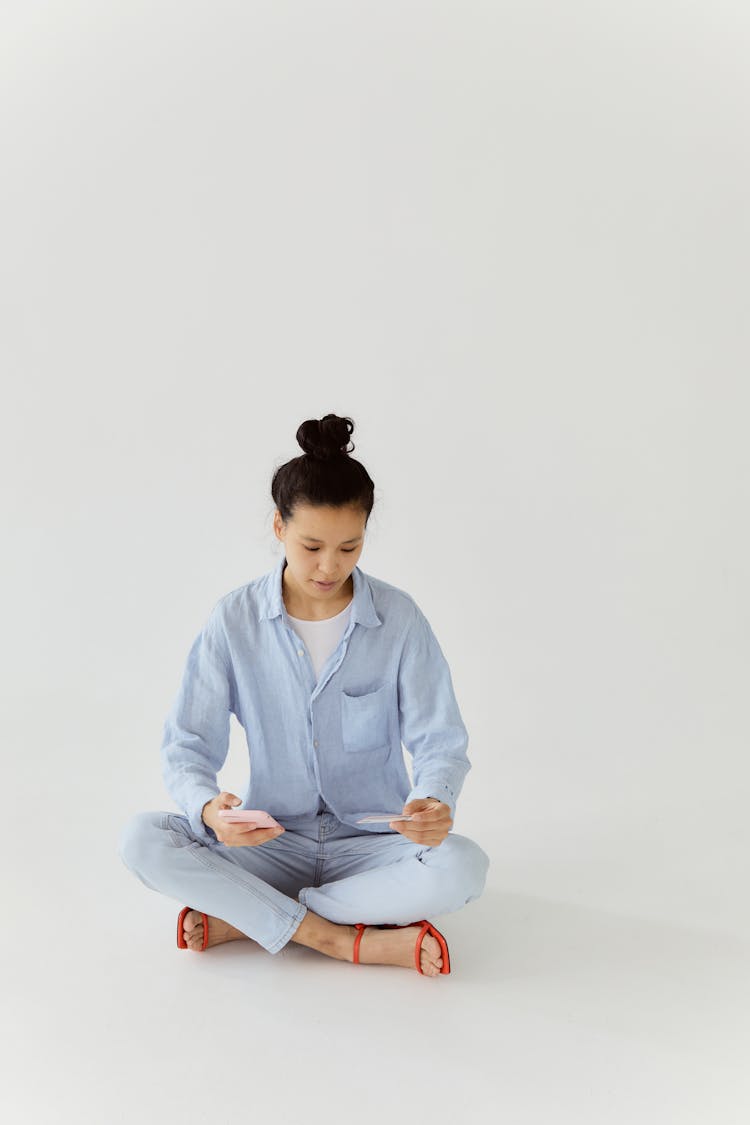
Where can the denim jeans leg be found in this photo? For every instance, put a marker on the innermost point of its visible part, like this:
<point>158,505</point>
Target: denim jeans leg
<point>239,885</point>
<point>393,880</point>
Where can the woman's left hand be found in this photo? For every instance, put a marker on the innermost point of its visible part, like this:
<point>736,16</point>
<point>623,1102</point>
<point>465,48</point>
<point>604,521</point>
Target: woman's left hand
<point>431,824</point>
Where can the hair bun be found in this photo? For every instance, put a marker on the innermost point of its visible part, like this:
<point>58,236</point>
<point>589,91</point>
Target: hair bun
<point>325,476</point>
<point>326,438</point>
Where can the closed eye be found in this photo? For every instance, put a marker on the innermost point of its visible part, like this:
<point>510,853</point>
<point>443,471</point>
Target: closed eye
<point>346,550</point>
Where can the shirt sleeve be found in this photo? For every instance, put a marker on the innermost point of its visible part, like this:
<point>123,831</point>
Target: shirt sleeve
<point>432,729</point>
<point>195,739</point>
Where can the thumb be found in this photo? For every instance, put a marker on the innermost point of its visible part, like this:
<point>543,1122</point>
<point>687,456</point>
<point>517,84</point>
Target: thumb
<point>416,805</point>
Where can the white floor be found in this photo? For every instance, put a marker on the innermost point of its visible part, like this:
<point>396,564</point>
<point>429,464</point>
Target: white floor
<point>552,1014</point>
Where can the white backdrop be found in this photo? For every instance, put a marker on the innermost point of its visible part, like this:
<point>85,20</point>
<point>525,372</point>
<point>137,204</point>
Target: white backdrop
<point>511,242</point>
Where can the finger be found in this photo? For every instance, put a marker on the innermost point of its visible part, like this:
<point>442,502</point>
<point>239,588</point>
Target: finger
<point>424,836</point>
<point>265,833</point>
<point>264,836</point>
<point>428,839</point>
<point>432,818</point>
<point>433,810</point>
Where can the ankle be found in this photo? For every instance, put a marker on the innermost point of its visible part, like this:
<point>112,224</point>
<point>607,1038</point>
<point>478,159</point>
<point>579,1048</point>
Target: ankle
<point>327,937</point>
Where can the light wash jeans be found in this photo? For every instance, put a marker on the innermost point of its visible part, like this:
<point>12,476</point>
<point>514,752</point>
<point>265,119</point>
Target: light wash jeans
<point>318,863</point>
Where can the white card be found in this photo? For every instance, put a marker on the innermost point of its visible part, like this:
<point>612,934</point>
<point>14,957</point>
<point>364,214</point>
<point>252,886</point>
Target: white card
<point>380,818</point>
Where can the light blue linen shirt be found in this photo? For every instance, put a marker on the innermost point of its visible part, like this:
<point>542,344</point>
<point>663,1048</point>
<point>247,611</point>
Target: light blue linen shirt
<point>386,683</point>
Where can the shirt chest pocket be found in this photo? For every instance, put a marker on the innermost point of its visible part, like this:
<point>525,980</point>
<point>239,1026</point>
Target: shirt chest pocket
<point>364,720</point>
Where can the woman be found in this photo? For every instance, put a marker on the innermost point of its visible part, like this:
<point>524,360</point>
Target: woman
<point>329,670</point>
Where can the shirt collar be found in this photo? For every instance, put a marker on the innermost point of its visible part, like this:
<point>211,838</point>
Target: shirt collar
<point>271,603</point>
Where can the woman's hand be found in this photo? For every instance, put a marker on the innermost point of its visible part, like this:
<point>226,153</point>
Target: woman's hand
<point>431,824</point>
<point>234,835</point>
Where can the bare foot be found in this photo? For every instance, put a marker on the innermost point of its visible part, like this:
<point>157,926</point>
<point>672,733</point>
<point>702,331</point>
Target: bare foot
<point>218,930</point>
<point>396,947</point>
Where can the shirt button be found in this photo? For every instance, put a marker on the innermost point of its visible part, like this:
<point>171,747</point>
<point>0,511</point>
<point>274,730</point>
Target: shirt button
<point>315,743</point>
<point>300,652</point>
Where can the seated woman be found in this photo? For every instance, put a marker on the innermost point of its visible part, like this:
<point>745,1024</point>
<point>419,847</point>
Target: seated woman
<point>329,671</point>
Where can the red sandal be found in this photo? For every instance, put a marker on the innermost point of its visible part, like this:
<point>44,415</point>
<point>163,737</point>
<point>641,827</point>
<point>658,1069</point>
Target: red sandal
<point>181,943</point>
<point>427,928</point>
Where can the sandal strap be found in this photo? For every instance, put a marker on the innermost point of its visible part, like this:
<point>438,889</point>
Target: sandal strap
<point>418,944</point>
<point>360,927</point>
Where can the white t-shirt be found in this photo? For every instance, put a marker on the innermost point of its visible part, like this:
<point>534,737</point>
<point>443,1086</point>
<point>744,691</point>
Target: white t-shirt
<point>321,638</point>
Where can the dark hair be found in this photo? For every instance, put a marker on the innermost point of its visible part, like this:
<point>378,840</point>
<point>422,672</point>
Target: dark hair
<point>324,474</point>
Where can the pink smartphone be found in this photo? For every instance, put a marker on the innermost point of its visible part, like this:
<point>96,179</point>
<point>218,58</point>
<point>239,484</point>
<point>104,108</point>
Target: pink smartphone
<point>254,818</point>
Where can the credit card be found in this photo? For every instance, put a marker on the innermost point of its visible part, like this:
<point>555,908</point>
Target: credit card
<point>380,818</point>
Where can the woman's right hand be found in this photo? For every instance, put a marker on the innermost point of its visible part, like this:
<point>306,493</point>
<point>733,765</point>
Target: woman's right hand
<point>234,835</point>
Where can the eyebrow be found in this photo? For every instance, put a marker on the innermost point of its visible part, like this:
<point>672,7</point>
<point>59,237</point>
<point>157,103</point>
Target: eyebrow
<point>311,540</point>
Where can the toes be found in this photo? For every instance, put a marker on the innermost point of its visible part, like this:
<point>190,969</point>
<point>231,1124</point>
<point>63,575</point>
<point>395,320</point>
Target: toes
<point>432,957</point>
<point>193,934</point>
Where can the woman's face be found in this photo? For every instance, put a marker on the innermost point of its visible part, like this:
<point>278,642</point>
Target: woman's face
<point>322,544</point>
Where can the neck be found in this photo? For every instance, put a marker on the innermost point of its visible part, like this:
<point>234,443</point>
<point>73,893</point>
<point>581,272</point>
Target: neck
<point>313,609</point>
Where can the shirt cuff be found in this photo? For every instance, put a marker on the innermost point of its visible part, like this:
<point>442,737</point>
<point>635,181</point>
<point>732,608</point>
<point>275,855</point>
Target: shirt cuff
<point>438,791</point>
<point>201,830</point>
